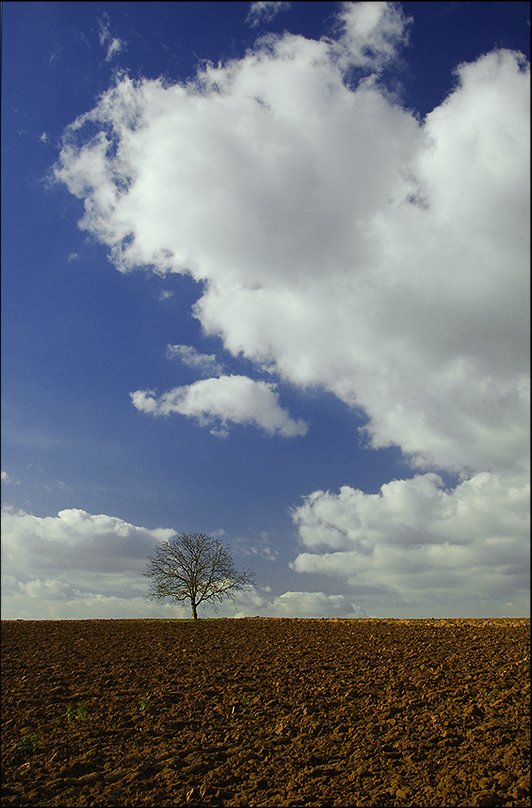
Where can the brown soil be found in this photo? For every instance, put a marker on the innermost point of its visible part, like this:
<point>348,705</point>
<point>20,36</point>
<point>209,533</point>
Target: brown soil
<point>266,712</point>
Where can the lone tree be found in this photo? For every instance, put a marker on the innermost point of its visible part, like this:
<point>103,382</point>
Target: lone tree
<point>195,567</point>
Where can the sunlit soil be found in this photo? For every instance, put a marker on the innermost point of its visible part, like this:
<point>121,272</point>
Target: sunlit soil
<point>266,712</point>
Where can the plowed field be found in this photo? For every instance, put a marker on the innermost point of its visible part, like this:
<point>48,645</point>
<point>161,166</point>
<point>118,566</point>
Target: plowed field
<point>266,712</point>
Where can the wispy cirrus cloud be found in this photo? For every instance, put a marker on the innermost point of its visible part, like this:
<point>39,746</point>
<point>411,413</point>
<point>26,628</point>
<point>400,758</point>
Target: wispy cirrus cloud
<point>113,45</point>
<point>206,364</point>
<point>263,11</point>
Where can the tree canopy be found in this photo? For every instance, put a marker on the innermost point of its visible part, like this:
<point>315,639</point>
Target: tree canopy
<point>197,568</point>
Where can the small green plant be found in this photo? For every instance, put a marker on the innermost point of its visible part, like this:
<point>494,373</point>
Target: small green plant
<point>143,704</point>
<point>80,714</point>
<point>29,743</point>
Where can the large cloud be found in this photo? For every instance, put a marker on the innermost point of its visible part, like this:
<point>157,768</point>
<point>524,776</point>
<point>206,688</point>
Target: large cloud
<point>341,242</point>
<point>75,564</point>
<point>75,539</point>
<point>418,543</point>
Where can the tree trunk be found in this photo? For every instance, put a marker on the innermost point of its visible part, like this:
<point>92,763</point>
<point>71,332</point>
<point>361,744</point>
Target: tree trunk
<point>194,611</point>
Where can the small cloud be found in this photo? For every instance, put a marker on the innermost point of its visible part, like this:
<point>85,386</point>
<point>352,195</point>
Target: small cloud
<point>44,138</point>
<point>115,47</point>
<point>103,25</point>
<point>220,432</point>
<point>264,12</point>
<point>218,401</point>
<point>10,510</point>
<point>205,363</point>
<point>263,552</point>
<point>267,553</point>
<point>300,604</point>
<point>373,34</point>
<point>143,401</point>
<point>113,44</point>
<point>72,257</point>
<point>165,294</point>
<point>5,477</point>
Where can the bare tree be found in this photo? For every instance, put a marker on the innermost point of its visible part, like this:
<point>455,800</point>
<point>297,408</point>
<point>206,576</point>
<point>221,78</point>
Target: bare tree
<point>195,567</point>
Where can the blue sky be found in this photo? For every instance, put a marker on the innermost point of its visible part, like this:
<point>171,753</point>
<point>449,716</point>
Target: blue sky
<point>265,276</point>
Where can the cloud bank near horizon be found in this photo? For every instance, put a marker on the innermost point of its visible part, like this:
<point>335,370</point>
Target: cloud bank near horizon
<point>80,565</point>
<point>412,544</point>
<point>415,542</point>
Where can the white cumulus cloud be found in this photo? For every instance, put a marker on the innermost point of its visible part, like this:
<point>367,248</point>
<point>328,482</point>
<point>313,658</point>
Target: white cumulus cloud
<point>421,542</point>
<point>344,243</point>
<point>82,565</point>
<point>74,539</point>
<point>372,33</point>
<point>299,604</point>
<point>341,242</point>
<point>227,399</point>
<point>75,564</point>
